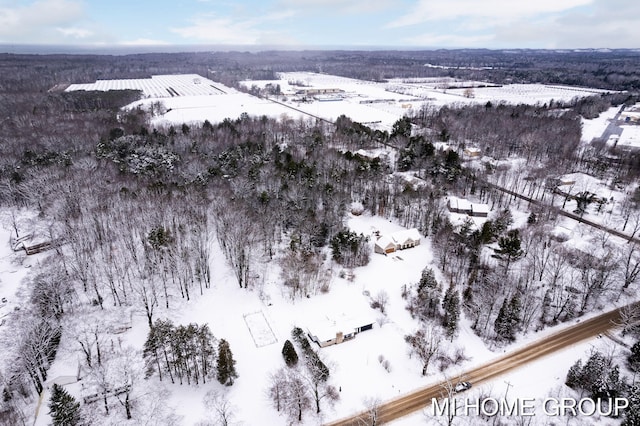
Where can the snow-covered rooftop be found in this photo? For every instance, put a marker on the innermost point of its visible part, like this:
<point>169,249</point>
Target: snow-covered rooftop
<point>400,237</point>
<point>481,208</point>
<point>327,327</point>
<point>630,137</point>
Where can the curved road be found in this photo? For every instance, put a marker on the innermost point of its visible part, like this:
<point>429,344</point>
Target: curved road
<point>421,398</point>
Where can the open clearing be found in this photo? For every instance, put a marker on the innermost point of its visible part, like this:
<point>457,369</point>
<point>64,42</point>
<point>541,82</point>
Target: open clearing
<point>193,98</point>
<point>260,329</point>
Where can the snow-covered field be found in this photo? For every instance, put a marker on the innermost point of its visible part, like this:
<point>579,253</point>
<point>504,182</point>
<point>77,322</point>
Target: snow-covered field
<point>158,86</point>
<point>193,98</point>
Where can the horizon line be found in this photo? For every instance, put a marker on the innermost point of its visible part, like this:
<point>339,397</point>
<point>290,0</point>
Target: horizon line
<point>121,49</point>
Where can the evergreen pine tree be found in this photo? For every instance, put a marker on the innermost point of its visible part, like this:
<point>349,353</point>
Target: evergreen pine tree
<point>150,354</point>
<point>574,376</point>
<point>63,408</point>
<point>428,295</point>
<point>509,248</point>
<point>508,318</point>
<point>594,373</point>
<point>515,314</point>
<point>289,353</point>
<point>634,358</point>
<point>615,384</point>
<point>451,306</point>
<point>226,364</point>
<point>501,325</point>
<point>632,412</point>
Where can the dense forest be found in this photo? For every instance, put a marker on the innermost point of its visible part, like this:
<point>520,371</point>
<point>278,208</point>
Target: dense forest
<point>138,207</point>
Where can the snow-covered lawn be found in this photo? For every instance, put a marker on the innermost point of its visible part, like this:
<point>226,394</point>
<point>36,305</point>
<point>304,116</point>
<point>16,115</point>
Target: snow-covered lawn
<point>260,329</point>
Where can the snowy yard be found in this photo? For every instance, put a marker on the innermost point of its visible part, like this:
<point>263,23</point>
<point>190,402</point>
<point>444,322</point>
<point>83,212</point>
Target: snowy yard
<point>260,329</point>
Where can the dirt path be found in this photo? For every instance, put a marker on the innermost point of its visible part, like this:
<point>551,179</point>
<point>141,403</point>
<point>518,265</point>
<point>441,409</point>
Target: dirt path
<point>421,398</point>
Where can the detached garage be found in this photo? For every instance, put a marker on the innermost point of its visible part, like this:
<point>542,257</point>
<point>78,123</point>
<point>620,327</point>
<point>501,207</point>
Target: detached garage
<point>384,245</point>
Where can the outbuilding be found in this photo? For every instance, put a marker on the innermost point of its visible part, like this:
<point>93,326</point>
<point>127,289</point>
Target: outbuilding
<point>480,210</point>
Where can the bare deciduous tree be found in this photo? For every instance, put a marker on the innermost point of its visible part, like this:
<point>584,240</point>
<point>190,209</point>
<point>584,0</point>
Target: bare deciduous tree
<point>371,414</point>
<point>425,344</point>
<point>218,403</point>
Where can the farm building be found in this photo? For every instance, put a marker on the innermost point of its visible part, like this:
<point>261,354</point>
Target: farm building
<point>631,114</point>
<point>318,91</point>
<point>397,241</point>
<point>462,206</point>
<point>332,331</point>
<point>480,210</point>
<point>459,205</point>
<point>629,140</point>
<point>472,152</point>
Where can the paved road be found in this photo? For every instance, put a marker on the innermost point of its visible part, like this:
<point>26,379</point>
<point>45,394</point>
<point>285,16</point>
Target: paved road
<point>421,398</point>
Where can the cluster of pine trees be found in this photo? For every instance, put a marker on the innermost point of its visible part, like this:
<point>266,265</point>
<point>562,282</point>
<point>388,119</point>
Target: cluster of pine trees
<point>601,380</point>
<point>506,323</point>
<point>599,377</point>
<point>426,302</point>
<point>350,249</point>
<point>187,353</point>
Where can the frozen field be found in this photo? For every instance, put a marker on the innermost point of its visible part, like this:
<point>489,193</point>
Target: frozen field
<point>192,98</point>
<point>159,86</point>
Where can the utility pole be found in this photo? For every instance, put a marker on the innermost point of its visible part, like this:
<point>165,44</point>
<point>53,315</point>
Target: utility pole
<point>507,391</point>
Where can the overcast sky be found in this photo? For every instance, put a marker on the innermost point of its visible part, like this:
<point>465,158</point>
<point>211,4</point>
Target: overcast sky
<point>325,23</point>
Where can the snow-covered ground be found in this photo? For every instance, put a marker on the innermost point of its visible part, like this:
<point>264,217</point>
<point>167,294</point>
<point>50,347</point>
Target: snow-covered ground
<point>595,127</point>
<point>193,98</point>
<point>630,137</point>
<point>257,330</point>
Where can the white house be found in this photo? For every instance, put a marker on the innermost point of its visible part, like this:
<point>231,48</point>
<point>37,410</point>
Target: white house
<point>397,241</point>
<point>328,331</point>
